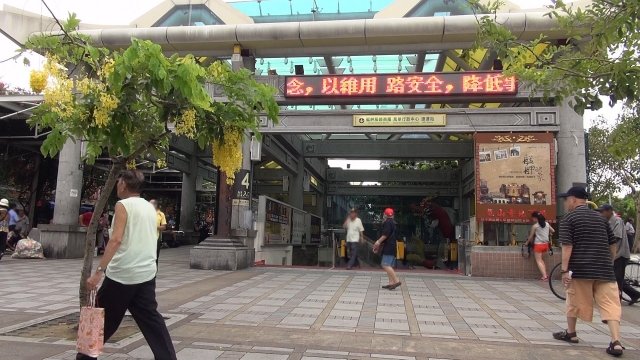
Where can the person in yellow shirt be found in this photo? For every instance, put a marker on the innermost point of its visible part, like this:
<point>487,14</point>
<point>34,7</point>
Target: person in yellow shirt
<point>162,225</point>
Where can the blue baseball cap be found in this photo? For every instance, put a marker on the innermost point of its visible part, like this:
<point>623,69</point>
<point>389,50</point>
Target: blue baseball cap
<point>577,192</point>
<point>604,207</point>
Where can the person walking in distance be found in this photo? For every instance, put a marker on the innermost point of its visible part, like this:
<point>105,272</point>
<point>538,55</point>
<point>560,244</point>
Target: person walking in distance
<point>588,251</point>
<point>389,248</point>
<point>631,233</point>
<point>4,225</point>
<point>622,254</point>
<point>161,226</point>
<point>129,263</point>
<point>355,235</point>
<point>540,235</point>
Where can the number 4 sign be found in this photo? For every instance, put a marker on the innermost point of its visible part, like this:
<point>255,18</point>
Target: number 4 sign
<point>242,185</point>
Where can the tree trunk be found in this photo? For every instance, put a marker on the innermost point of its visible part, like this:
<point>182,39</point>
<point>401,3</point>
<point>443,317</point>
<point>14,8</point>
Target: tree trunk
<point>636,202</point>
<point>87,265</point>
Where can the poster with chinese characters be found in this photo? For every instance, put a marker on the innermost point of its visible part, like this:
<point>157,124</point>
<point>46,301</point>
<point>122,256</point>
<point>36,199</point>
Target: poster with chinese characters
<point>315,225</point>
<point>298,227</point>
<point>277,226</point>
<point>515,176</point>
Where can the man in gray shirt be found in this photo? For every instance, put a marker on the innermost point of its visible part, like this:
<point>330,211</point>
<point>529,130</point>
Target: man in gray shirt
<point>623,253</point>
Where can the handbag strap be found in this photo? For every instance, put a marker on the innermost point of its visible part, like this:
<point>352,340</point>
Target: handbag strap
<point>92,299</point>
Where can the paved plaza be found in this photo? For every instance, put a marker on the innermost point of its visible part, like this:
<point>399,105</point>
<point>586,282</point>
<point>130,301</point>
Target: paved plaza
<point>293,314</point>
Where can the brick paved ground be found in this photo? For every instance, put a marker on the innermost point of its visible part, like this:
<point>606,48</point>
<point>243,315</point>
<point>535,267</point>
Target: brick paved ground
<point>293,314</point>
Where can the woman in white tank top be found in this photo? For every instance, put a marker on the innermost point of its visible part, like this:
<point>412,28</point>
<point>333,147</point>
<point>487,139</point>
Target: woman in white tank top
<point>540,236</point>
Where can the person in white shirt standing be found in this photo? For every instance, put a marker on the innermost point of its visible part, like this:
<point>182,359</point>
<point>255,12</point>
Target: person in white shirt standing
<point>355,235</point>
<point>129,262</point>
<point>631,233</point>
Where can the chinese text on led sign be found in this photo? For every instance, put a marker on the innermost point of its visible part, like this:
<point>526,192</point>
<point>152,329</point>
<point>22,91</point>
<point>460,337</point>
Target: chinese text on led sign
<point>421,84</point>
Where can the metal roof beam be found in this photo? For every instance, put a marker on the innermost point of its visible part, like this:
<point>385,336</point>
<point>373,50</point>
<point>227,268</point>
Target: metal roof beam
<point>277,189</point>
<point>373,190</point>
<point>458,60</point>
<point>320,38</point>
<point>341,175</point>
<point>405,149</point>
<point>459,121</point>
<point>274,149</point>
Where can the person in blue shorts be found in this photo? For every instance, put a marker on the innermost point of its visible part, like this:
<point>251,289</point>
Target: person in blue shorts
<point>389,248</point>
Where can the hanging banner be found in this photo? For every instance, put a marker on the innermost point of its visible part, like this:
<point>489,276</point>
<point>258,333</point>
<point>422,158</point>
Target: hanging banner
<point>277,227</point>
<point>515,176</point>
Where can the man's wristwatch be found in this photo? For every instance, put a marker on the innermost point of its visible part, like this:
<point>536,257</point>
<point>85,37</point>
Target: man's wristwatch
<point>564,271</point>
<point>100,269</point>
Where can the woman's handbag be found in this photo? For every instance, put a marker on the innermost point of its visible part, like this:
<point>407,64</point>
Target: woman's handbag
<point>91,328</point>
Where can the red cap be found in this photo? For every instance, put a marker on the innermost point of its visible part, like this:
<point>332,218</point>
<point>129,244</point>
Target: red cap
<point>388,212</point>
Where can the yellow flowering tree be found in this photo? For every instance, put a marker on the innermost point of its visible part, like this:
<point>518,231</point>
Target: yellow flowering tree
<point>125,104</point>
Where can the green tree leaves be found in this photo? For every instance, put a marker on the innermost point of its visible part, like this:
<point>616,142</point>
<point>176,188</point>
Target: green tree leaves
<point>599,57</point>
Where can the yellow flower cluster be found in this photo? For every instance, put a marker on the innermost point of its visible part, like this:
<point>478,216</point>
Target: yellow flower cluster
<point>227,155</point>
<point>58,96</point>
<point>38,80</point>
<point>131,164</point>
<point>107,69</point>
<point>162,163</point>
<point>186,125</point>
<point>103,109</point>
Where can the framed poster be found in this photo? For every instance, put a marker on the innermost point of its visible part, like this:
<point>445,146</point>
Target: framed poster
<point>515,176</point>
<point>315,225</point>
<point>298,227</point>
<point>277,227</point>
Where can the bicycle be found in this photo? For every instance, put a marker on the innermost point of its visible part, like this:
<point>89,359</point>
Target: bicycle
<point>631,278</point>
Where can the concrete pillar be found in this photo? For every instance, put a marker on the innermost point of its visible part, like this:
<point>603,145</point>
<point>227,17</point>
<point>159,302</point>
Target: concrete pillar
<point>188,197</point>
<point>296,186</point>
<point>64,239</point>
<point>572,167</point>
<point>69,184</point>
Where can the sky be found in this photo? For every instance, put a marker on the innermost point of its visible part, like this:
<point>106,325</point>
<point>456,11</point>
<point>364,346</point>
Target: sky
<point>119,12</point>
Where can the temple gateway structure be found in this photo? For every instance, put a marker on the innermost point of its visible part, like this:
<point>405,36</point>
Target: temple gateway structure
<point>466,154</point>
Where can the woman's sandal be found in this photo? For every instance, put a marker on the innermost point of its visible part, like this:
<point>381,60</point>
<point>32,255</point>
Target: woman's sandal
<point>392,287</point>
<point>611,350</point>
<point>564,335</point>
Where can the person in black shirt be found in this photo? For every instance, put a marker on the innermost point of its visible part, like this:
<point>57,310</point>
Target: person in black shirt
<point>389,249</point>
<point>588,251</point>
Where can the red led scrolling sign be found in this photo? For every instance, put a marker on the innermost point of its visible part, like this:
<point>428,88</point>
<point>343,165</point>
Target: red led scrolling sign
<point>419,84</point>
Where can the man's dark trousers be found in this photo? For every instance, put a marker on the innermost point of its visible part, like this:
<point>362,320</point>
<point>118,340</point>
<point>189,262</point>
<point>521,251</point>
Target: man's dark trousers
<point>140,300</point>
<point>353,254</point>
<point>619,266</point>
<point>158,250</point>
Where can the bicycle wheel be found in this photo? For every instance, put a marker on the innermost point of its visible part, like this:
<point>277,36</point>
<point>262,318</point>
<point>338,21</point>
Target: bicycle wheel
<point>555,282</point>
<point>631,278</point>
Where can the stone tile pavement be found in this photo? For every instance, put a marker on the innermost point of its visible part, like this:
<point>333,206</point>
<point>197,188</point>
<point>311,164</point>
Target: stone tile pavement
<point>293,314</point>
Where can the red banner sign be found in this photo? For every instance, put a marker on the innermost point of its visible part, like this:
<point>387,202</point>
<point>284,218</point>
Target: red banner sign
<point>419,84</point>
